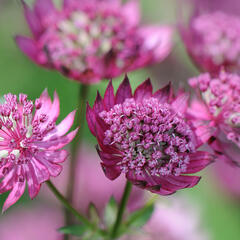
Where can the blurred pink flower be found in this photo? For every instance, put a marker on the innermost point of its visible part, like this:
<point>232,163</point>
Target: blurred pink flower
<point>30,149</point>
<point>146,137</point>
<point>212,36</point>
<point>37,223</point>
<point>89,40</point>
<point>228,177</point>
<point>177,220</point>
<point>216,113</point>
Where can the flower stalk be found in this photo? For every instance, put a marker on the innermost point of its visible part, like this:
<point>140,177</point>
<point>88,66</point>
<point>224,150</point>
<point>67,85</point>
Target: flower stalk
<point>122,206</point>
<point>68,206</point>
<point>76,143</point>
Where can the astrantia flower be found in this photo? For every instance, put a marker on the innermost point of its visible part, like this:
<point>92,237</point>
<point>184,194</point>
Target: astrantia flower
<point>146,137</point>
<point>30,143</point>
<point>213,41</point>
<point>88,40</point>
<point>217,112</point>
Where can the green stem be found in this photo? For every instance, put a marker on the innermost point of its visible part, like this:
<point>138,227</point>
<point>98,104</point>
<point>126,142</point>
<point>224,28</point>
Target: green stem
<point>122,206</point>
<point>68,206</point>
<point>75,146</point>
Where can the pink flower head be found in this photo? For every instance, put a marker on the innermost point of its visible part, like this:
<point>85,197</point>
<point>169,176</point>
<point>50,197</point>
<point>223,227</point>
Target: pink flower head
<point>216,113</point>
<point>176,220</point>
<point>88,40</point>
<point>212,38</point>
<point>30,143</point>
<point>146,137</point>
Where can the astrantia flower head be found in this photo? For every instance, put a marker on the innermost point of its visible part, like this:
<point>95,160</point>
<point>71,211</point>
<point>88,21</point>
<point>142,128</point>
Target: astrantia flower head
<point>213,41</point>
<point>30,143</point>
<point>146,137</point>
<point>217,111</point>
<point>89,40</point>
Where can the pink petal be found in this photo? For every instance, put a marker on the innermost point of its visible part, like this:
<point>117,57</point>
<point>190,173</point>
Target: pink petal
<point>131,11</point>
<point>91,119</point>
<point>191,181</point>
<point>111,172</point>
<point>44,8</point>
<point>33,21</point>
<point>143,91</point>
<point>63,127</point>
<point>14,195</point>
<point>7,183</point>
<point>53,169</point>
<point>164,94</point>
<point>57,142</point>
<point>28,47</point>
<point>180,104</point>
<point>108,159</point>
<point>109,97</point>
<point>98,104</point>
<point>41,171</point>
<point>33,185</point>
<point>124,91</point>
<point>199,110</point>
<point>158,40</point>
<point>199,161</point>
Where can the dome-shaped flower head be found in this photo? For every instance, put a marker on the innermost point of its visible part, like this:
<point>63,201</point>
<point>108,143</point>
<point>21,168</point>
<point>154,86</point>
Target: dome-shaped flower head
<point>212,37</point>
<point>30,143</point>
<point>146,137</point>
<point>217,112</point>
<point>89,40</point>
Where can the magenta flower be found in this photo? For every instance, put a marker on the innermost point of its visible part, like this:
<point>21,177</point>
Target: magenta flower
<point>212,37</point>
<point>146,137</point>
<point>216,113</point>
<point>90,40</point>
<point>30,143</point>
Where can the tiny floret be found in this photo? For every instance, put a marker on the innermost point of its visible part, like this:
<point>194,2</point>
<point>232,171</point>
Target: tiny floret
<point>30,143</point>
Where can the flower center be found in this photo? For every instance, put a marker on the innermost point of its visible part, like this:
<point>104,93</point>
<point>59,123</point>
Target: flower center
<point>18,128</point>
<point>219,34</point>
<point>151,136</point>
<point>81,38</point>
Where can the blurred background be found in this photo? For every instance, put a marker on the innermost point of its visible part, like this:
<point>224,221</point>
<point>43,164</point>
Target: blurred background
<point>218,206</point>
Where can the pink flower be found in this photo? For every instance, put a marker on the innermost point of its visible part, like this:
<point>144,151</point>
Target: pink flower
<point>38,223</point>
<point>146,137</point>
<point>216,112</point>
<point>30,143</point>
<point>177,220</point>
<point>212,37</point>
<point>90,40</point>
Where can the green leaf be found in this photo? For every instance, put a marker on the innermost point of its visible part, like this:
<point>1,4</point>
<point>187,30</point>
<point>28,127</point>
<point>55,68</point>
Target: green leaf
<point>110,212</point>
<point>93,214</point>
<point>140,217</point>
<point>76,230</point>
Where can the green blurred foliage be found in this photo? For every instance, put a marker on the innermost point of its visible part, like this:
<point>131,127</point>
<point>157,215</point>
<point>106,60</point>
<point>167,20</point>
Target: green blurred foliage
<point>220,215</point>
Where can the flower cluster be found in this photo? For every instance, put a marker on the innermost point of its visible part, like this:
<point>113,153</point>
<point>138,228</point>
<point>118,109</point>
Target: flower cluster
<point>30,143</point>
<point>92,40</point>
<point>217,112</point>
<point>147,137</point>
